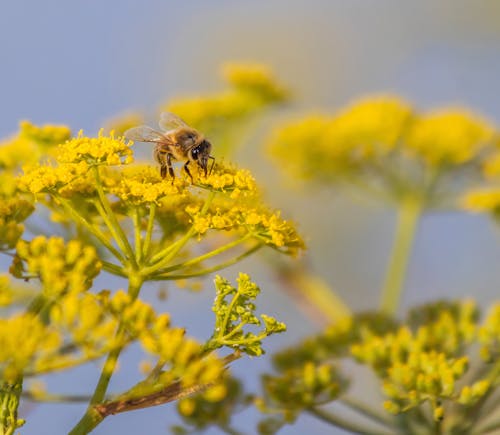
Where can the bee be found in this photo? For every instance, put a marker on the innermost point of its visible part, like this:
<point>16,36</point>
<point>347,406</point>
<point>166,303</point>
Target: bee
<point>176,141</point>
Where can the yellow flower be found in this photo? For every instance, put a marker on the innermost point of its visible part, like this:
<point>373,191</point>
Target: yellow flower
<point>61,266</point>
<point>30,143</point>
<point>143,185</point>
<point>121,123</point>
<point>100,150</point>
<point>6,293</point>
<point>66,179</point>
<point>449,137</point>
<point>25,342</point>
<point>221,116</point>
<point>368,128</point>
<point>484,200</point>
<point>12,213</point>
<point>255,78</point>
<point>324,147</point>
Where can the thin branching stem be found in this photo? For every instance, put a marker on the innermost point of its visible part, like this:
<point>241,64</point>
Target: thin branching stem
<point>367,411</point>
<point>111,220</point>
<point>92,417</point>
<point>149,230</point>
<point>91,228</point>
<point>202,272</point>
<point>163,257</point>
<point>208,255</point>
<point>136,218</point>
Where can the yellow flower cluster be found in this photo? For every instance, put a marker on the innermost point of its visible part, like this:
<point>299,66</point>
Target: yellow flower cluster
<point>426,365</point>
<point>489,335</point>
<point>449,137</point>
<point>184,359</point>
<point>486,199</point>
<point>255,78</point>
<point>65,179</point>
<point>367,129</point>
<point>320,146</point>
<point>70,175</point>
<point>12,213</point>
<point>85,319</point>
<point>423,376</point>
<point>252,87</point>
<point>60,266</point>
<point>230,179</point>
<point>25,342</point>
<point>300,388</point>
<point>263,224</point>
<point>383,142</point>
<point>142,185</point>
<point>6,293</point>
<point>96,151</point>
<point>30,143</point>
<point>121,123</point>
<point>204,411</point>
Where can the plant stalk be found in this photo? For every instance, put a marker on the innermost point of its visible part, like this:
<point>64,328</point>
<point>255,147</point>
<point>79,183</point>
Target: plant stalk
<point>408,217</point>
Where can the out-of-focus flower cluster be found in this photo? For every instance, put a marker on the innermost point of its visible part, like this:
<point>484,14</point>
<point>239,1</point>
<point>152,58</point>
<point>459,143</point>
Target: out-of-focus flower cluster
<point>486,199</point>
<point>428,359</point>
<point>31,143</point>
<point>13,212</point>
<point>60,266</point>
<point>221,116</point>
<point>385,145</point>
<point>203,411</point>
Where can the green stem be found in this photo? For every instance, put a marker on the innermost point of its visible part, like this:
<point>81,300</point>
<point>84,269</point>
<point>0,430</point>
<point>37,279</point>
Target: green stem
<point>111,220</point>
<point>93,230</point>
<point>206,256</point>
<point>149,230</point>
<point>137,234</point>
<point>113,268</point>
<point>10,394</point>
<point>162,277</point>
<point>367,411</point>
<point>408,218</point>
<point>92,417</point>
<point>348,425</point>
<point>163,257</point>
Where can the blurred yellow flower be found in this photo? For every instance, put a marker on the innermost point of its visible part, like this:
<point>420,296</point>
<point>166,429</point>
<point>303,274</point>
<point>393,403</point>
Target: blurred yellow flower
<point>449,137</point>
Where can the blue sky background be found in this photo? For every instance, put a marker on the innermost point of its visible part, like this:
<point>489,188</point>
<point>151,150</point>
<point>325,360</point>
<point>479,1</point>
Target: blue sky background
<point>82,62</point>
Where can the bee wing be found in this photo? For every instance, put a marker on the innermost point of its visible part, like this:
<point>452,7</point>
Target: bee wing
<point>143,134</point>
<point>169,121</point>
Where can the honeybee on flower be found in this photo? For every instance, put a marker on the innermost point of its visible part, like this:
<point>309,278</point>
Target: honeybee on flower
<point>177,141</point>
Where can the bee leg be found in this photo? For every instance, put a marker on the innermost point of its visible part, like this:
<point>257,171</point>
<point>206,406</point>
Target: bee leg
<point>170,169</point>
<point>163,171</point>
<point>188,171</point>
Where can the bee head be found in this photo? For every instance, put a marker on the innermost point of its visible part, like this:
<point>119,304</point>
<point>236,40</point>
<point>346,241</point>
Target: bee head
<point>201,153</point>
